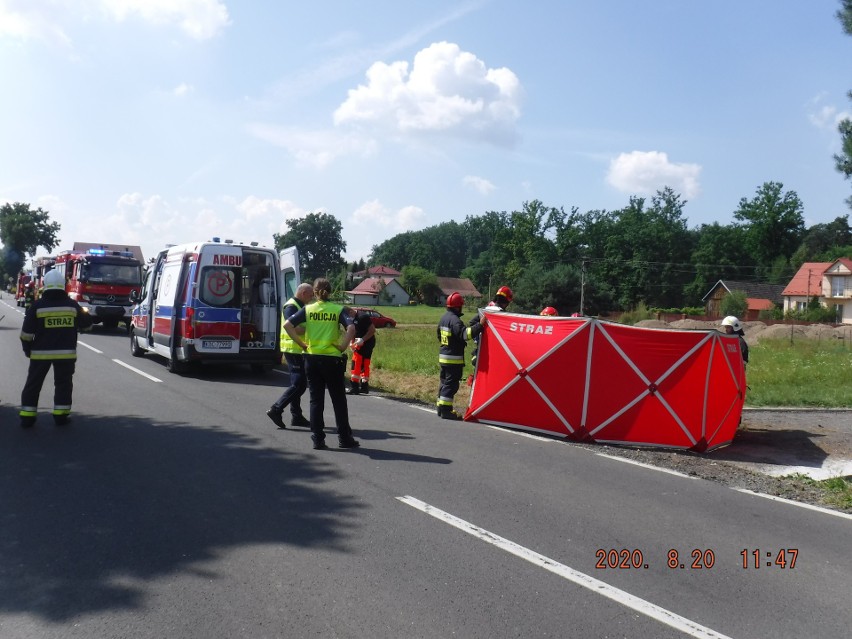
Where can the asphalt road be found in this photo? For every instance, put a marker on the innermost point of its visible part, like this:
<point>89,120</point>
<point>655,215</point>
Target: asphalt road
<point>171,507</point>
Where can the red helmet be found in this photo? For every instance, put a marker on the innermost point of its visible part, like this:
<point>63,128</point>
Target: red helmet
<point>548,310</point>
<point>506,292</point>
<point>455,301</point>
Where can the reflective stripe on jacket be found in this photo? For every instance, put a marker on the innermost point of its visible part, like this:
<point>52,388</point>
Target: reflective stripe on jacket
<point>50,327</point>
<point>291,307</point>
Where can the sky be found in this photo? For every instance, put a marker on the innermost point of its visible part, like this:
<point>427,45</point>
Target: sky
<point>155,122</point>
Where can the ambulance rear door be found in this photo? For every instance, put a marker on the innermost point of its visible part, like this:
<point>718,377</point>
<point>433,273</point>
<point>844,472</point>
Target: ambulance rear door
<point>218,299</point>
<point>290,276</point>
<point>166,286</point>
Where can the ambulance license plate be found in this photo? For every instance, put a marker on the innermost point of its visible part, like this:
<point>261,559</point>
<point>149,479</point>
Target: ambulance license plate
<point>221,344</point>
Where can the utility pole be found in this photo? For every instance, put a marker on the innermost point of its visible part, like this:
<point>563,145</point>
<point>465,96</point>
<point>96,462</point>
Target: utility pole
<point>582,285</point>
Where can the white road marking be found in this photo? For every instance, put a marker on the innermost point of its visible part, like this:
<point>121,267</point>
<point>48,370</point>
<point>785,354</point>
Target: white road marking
<point>826,511</point>
<point>623,597</point>
<point>91,348</point>
<point>136,370</point>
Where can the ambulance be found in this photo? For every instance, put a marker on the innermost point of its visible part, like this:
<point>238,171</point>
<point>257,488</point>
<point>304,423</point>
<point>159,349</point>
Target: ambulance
<point>214,301</point>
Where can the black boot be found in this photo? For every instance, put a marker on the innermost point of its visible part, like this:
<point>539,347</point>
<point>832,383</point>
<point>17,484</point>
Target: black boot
<point>275,415</point>
<point>365,387</point>
<point>354,389</point>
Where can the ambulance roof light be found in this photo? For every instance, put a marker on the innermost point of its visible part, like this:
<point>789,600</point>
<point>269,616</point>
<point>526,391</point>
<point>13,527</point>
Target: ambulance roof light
<point>96,252</point>
<point>229,241</point>
<point>254,243</point>
<point>216,239</point>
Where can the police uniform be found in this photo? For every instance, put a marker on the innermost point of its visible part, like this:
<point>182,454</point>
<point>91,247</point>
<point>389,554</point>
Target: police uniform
<point>49,338</point>
<point>452,336</point>
<point>325,367</point>
<point>296,367</point>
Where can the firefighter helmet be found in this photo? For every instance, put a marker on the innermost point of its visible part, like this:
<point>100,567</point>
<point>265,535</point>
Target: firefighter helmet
<point>455,301</point>
<point>548,310</point>
<point>506,292</point>
<point>733,322</point>
<point>53,279</point>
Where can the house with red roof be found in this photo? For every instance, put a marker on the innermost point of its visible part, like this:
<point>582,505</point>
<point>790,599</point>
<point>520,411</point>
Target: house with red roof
<point>378,291</point>
<point>830,282</point>
<point>377,271</point>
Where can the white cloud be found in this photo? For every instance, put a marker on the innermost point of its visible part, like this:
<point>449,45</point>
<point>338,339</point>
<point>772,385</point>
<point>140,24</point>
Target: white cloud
<point>199,19</point>
<point>30,20</point>
<point>374,213</point>
<point>480,184</point>
<point>183,89</point>
<point>48,20</point>
<point>314,148</point>
<point>645,172</point>
<point>826,116</point>
<point>277,212</point>
<point>447,90</point>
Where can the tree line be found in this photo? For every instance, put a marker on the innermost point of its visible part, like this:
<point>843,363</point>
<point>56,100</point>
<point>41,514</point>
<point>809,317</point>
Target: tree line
<point>614,260</point>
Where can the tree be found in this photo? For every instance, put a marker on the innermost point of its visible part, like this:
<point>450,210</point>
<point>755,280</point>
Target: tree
<point>22,231</point>
<point>844,159</point>
<point>823,238</point>
<point>421,284</point>
<point>773,222</point>
<point>720,253</point>
<point>319,238</point>
<point>734,303</point>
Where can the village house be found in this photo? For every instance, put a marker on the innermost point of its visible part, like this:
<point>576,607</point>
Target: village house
<point>829,282</point>
<point>759,297</point>
<point>378,291</point>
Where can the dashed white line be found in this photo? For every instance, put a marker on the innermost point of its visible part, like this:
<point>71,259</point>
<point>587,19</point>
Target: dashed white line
<point>91,348</point>
<point>137,371</point>
<point>623,597</point>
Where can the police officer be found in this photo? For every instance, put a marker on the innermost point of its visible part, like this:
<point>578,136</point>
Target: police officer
<point>295,364</point>
<point>325,362</point>
<point>452,336</point>
<point>49,338</point>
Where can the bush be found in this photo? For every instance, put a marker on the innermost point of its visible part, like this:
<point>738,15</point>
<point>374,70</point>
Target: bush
<point>641,312</point>
<point>734,303</point>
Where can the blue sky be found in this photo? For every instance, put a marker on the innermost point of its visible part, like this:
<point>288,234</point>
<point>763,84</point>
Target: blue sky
<point>167,121</point>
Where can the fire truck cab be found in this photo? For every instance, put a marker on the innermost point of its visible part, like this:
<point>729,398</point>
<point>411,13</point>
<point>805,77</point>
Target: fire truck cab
<point>101,280</point>
<point>214,302</point>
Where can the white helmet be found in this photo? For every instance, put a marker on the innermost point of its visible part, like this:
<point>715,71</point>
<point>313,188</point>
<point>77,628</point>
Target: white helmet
<point>53,280</point>
<point>733,322</point>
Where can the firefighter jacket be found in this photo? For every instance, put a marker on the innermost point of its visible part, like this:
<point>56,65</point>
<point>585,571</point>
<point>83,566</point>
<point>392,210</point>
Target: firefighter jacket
<point>453,336</point>
<point>50,327</point>
<point>291,307</point>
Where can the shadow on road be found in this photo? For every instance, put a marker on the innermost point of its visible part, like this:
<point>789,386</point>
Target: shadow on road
<point>777,447</point>
<point>90,507</point>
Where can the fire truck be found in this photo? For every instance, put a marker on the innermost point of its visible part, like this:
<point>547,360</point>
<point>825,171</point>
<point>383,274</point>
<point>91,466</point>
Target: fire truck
<point>100,277</point>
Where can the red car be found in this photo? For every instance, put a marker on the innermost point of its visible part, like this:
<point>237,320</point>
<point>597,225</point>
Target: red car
<point>379,320</point>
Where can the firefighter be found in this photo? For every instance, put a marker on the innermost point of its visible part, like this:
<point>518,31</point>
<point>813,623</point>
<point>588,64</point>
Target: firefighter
<point>453,337</point>
<point>49,338</point>
<point>502,298</point>
<point>325,361</point>
<point>362,351</point>
<point>295,364</point>
<point>732,326</point>
<point>549,311</point>
<point>30,294</point>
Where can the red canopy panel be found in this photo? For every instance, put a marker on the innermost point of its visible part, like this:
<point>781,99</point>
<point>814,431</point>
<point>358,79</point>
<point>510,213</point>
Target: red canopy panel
<point>590,380</point>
